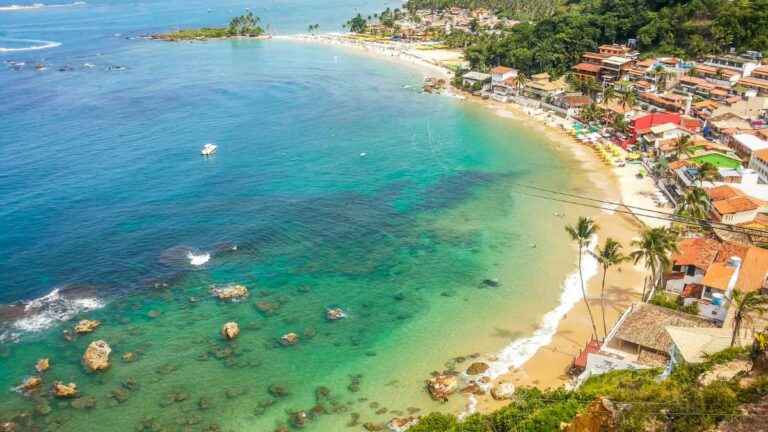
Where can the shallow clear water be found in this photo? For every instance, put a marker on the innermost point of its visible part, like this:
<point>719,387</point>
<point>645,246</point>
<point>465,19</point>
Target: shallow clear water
<point>337,183</point>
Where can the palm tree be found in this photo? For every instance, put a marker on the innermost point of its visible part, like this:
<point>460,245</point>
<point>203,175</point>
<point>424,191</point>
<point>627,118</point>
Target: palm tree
<point>628,99</point>
<point>581,233</point>
<point>684,146</point>
<point>653,248</point>
<point>609,94</point>
<point>520,81</point>
<point>608,256</point>
<point>695,204</point>
<point>709,172</point>
<point>746,305</point>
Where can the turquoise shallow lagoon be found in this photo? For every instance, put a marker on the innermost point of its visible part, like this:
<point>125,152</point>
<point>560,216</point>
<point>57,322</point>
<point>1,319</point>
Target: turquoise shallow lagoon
<point>337,183</point>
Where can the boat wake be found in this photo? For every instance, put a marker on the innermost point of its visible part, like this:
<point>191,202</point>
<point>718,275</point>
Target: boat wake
<point>34,45</point>
<point>34,6</point>
<point>521,350</point>
<point>46,311</point>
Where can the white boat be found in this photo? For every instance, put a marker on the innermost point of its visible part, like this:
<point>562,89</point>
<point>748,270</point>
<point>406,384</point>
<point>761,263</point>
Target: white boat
<point>208,149</point>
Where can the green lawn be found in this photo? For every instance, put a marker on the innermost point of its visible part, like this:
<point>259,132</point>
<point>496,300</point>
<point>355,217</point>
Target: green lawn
<point>718,160</point>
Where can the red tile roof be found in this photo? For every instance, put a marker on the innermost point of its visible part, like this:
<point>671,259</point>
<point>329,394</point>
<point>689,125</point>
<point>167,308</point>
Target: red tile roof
<point>587,67</point>
<point>697,252</point>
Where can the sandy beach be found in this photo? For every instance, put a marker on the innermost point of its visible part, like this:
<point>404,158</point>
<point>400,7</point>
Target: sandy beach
<point>548,367</point>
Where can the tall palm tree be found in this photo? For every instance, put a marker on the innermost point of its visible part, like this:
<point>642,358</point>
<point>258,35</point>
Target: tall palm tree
<point>695,204</point>
<point>746,305</point>
<point>653,248</point>
<point>684,146</point>
<point>581,233</point>
<point>608,256</point>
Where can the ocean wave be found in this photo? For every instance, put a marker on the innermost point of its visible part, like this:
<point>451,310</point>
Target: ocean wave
<point>33,6</point>
<point>198,259</point>
<point>520,351</point>
<point>44,312</point>
<point>35,45</point>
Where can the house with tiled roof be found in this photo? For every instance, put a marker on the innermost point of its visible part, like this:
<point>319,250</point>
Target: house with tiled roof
<point>706,271</point>
<point>731,206</point>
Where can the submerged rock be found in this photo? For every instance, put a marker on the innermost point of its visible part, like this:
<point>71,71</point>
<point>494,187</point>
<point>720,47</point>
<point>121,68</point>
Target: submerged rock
<point>85,402</point>
<point>491,283</point>
<point>441,386</point>
<point>289,339</point>
<point>477,368</point>
<point>335,314</point>
<point>8,427</point>
<point>96,356</point>
<point>230,330</point>
<point>503,391</point>
<point>31,383</point>
<point>230,292</point>
<point>42,365</point>
<point>299,419</point>
<point>86,326</point>
<point>402,424</point>
<point>373,427</point>
<point>277,391</point>
<point>266,307</point>
<point>62,390</point>
<point>129,357</point>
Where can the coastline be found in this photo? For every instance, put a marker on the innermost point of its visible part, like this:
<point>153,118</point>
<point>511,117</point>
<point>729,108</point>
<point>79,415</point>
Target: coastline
<point>542,358</point>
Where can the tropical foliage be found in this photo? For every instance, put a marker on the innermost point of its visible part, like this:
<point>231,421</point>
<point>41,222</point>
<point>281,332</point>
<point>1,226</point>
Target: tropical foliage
<point>608,256</point>
<point>679,403</point>
<point>244,25</point>
<point>654,248</point>
<point>554,42</point>
<point>582,234</point>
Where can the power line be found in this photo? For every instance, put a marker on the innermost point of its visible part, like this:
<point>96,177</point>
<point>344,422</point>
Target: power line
<point>676,217</point>
<point>663,215</point>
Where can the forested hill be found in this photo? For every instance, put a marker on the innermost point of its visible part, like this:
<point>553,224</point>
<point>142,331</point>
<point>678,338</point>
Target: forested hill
<point>515,9</point>
<point>687,28</point>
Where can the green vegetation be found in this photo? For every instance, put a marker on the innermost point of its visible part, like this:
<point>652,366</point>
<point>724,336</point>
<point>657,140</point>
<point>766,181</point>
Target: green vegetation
<point>679,403</point>
<point>675,303</point>
<point>244,25</point>
<point>582,234</point>
<point>515,9</point>
<point>687,28</point>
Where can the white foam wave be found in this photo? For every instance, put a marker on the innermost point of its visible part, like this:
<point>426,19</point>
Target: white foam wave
<point>36,45</point>
<point>520,351</point>
<point>15,7</point>
<point>198,259</point>
<point>45,311</point>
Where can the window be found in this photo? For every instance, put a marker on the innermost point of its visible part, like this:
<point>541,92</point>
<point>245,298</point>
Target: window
<point>691,271</point>
<point>676,268</point>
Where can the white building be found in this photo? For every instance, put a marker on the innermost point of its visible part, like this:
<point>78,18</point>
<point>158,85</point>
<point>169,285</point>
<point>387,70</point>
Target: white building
<point>746,144</point>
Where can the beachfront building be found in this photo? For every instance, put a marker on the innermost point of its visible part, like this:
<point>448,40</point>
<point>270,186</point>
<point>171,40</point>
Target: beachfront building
<point>639,340</point>
<point>706,271</point>
<point>475,80</point>
<point>503,84</point>
<point>568,105</point>
<point>541,87</point>
<point>586,70</point>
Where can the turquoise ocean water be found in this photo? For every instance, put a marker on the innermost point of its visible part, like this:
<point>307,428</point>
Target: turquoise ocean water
<point>337,183</point>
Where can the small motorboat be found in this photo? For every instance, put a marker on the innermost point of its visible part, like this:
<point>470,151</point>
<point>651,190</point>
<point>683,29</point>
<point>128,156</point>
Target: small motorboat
<point>208,149</point>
